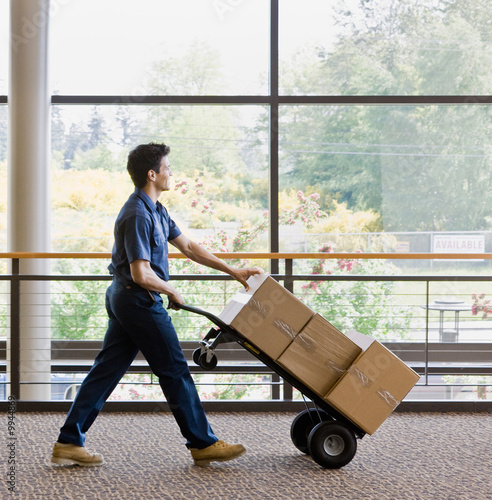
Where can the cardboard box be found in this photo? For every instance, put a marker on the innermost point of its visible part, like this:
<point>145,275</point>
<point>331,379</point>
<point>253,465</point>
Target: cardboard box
<point>267,314</point>
<point>319,355</point>
<point>373,386</point>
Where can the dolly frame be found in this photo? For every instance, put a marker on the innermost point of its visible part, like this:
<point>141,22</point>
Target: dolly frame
<point>205,356</point>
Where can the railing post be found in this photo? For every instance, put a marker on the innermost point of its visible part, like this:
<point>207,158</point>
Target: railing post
<point>275,387</point>
<point>289,279</point>
<point>289,285</point>
<point>426,368</point>
<point>14,350</point>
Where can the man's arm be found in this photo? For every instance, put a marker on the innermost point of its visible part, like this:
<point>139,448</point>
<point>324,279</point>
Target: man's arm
<point>202,256</point>
<point>145,276</point>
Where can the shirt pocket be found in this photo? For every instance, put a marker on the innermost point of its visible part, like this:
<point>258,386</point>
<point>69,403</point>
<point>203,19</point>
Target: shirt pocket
<point>158,238</point>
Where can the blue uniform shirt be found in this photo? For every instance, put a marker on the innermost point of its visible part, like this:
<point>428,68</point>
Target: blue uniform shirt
<point>141,231</point>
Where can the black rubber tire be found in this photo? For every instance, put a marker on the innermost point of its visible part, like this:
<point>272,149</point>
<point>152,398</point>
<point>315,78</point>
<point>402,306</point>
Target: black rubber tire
<point>207,365</point>
<point>303,424</point>
<point>332,444</point>
<point>196,356</point>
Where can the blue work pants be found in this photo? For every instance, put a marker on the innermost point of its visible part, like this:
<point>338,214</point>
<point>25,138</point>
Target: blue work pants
<point>139,322</point>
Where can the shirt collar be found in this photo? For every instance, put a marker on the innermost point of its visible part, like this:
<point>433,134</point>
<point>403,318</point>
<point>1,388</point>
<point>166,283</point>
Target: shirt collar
<point>146,199</point>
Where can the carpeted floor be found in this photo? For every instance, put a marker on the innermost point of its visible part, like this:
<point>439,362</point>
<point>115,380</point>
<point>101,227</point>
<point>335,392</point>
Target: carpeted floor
<point>412,456</point>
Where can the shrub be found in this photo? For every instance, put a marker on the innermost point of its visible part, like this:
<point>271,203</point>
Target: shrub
<point>366,306</point>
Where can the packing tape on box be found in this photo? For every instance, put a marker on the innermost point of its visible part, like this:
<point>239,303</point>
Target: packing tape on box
<point>335,367</point>
<point>388,398</point>
<point>361,376</point>
<point>264,312</point>
<point>310,345</point>
<point>259,308</point>
<point>285,328</point>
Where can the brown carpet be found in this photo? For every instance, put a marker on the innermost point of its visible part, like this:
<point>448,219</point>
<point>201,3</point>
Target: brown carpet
<point>412,456</point>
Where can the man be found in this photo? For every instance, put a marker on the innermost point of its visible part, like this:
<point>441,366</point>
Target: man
<point>138,320</point>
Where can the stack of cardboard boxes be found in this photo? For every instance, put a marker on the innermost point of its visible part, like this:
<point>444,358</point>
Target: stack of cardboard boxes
<point>354,373</point>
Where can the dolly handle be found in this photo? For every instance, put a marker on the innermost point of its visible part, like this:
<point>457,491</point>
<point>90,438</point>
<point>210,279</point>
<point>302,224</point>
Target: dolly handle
<point>197,310</point>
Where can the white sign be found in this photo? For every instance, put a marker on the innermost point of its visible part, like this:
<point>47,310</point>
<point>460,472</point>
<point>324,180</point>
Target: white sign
<point>458,243</point>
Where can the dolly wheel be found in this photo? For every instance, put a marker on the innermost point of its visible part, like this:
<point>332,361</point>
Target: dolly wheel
<point>332,444</point>
<point>207,365</point>
<point>303,424</point>
<point>196,356</point>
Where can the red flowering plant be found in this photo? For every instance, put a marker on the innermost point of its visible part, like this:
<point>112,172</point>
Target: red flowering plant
<point>210,295</point>
<point>307,211</point>
<point>367,306</point>
<point>481,305</point>
<point>370,307</point>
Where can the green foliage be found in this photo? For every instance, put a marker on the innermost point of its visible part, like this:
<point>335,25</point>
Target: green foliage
<point>197,71</point>
<point>99,156</point>
<point>370,307</point>
<point>229,387</point>
<point>137,387</point>
<point>420,167</point>
<point>481,389</point>
<point>78,307</point>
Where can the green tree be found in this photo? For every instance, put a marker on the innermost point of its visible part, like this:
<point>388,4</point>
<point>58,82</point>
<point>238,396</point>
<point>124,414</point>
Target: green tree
<point>206,136</point>
<point>197,71</point>
<point>98,157</point>
<point>73,143</point>
<point>128,125</point>
<point>58,130</point>
<point>421,167</point>
<point>97,129</point>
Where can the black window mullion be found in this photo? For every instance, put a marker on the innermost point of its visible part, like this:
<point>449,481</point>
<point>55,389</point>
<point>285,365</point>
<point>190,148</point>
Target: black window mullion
<point>274,103</point>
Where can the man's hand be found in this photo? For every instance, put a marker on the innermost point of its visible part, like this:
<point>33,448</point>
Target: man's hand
<point>174,299</point>
<point>242,275</point>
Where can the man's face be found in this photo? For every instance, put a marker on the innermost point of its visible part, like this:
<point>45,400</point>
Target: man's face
<point>163,178</point>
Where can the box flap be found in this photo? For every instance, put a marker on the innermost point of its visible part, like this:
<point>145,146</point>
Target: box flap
<point>363,341</point>
<point>241,298</point>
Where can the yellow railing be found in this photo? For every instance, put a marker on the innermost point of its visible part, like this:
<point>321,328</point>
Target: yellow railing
<point>262,255</point>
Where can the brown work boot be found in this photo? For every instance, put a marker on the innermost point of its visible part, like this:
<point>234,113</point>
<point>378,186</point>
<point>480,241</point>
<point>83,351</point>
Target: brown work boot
<point>218,452</point>
<point>70,454</point>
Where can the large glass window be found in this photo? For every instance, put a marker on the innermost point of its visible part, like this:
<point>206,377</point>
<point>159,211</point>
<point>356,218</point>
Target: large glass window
<point>4,45</point>
<point>164,47</point>
<point>373,171</point>
<point>219,165</point>
<point>385,48</point>
<point>393,174</point>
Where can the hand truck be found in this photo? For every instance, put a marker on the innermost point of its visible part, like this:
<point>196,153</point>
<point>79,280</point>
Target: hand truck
<point>321,431</point>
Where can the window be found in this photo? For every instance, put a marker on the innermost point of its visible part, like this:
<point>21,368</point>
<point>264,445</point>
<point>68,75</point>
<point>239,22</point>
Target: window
<point>4,45</point>
<point>401,170</point>
<point>382,145</point>
<point>191,47</point>
<point>220,172</point>
<point>385,48</point>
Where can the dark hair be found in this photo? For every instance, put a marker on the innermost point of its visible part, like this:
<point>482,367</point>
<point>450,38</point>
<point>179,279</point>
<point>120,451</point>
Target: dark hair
<point>144,158</point>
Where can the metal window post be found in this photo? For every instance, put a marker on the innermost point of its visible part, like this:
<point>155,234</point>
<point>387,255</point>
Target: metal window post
<point>13,349</point>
